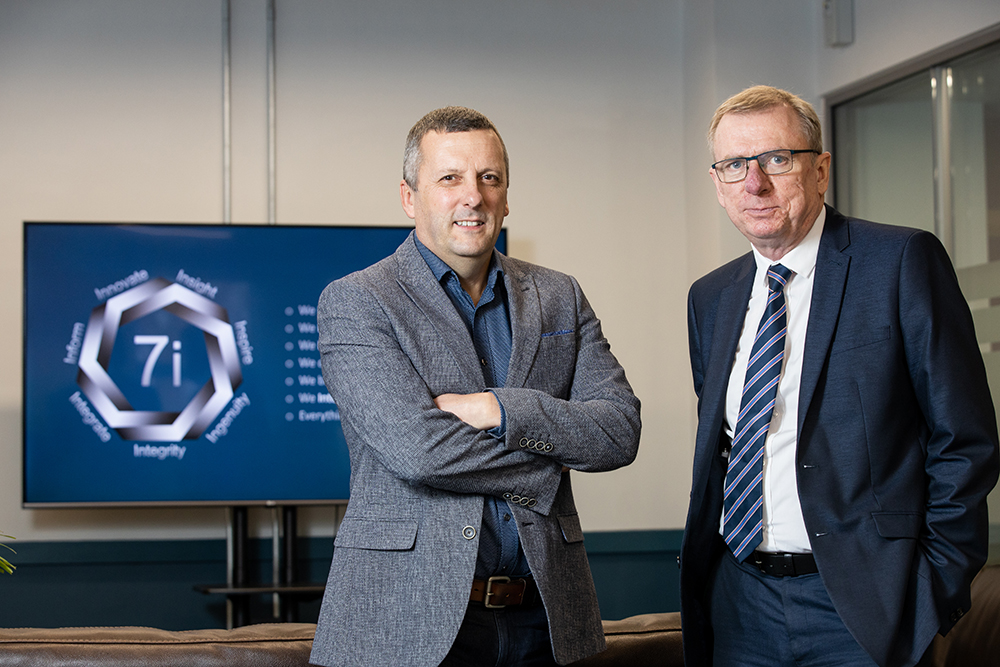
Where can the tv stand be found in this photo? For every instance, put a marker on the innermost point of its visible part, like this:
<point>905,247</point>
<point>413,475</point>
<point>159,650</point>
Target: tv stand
<point>285,587</point>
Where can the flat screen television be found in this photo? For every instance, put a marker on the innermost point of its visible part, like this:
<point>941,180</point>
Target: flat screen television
<point>177,364</point>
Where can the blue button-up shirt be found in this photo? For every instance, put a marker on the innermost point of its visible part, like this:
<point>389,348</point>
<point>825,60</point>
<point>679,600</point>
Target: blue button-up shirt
<point>488,322</point>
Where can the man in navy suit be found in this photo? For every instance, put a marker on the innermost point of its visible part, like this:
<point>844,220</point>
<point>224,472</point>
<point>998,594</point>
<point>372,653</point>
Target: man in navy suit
<point>855,538</point>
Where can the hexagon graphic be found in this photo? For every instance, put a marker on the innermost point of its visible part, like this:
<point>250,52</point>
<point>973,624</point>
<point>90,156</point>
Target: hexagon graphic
<point>107,398</point>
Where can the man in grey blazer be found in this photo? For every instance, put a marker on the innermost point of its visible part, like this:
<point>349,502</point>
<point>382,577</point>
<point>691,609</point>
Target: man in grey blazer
<point>468,384</point>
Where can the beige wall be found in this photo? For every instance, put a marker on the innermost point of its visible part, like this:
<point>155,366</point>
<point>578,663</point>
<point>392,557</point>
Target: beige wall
<point>111,110</point>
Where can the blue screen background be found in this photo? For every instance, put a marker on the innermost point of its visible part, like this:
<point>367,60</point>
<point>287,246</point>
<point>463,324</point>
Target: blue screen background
<point>269,277</point>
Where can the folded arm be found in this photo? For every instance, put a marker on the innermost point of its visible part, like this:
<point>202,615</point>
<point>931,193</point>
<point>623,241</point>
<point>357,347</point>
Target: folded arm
<point>595,425</point>
<point>395,386</point>
<point>388,408</point>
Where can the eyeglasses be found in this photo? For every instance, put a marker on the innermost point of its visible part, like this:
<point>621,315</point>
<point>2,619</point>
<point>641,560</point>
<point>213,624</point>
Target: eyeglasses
<point>772,163</point>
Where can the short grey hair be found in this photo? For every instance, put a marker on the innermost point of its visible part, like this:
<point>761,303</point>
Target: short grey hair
<point>762,98</point>
<point>446,119</point>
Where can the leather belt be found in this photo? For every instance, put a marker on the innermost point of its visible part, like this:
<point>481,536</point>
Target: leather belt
<point>499,592</point>
<point>783,564</point>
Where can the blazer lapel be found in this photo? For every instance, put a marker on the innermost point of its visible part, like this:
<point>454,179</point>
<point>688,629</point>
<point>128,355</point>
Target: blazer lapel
<point>525,322</point>
<point>827,297</point>
<point>417,281</point>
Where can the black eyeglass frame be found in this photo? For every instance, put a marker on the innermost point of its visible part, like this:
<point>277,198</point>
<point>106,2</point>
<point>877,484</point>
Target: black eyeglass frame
<point>791,152</point>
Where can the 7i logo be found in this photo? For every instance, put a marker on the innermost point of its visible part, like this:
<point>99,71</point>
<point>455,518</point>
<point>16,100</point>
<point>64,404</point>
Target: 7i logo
<point>158,343</point>
<point>183,308</point>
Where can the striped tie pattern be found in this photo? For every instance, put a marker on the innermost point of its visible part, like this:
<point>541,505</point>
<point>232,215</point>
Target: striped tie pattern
<point>743,517</point>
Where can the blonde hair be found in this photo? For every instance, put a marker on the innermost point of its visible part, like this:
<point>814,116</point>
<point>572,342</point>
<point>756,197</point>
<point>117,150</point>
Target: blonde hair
<point>762,98</point>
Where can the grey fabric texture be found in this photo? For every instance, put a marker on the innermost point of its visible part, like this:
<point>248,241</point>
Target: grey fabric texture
<point>390,341</point>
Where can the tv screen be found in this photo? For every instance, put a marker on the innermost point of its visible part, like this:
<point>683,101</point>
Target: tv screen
<point>177,364</point>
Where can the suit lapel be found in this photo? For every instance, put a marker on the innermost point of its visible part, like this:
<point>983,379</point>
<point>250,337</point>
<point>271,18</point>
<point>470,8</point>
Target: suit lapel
<point>417,281</point>
<point>525,322</point>
<point>824,312</point>
<point>733,302</point>
<point>728,325</point>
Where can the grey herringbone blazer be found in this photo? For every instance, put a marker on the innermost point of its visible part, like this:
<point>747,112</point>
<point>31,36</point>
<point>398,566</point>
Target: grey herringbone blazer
<point>405,554</point>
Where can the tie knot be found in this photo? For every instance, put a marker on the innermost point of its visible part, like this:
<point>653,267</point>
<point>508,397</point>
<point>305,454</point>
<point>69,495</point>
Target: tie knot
<point>777,277</point>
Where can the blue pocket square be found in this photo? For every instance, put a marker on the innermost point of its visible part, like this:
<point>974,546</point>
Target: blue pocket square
<point>561,332</point>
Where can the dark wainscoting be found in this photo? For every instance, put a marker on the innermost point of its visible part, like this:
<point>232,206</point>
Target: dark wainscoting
<point>151,583</point>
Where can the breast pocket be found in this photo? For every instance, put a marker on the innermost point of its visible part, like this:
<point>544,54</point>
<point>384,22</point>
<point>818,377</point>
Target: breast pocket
<point>377,534</point>
<point>852,340</point>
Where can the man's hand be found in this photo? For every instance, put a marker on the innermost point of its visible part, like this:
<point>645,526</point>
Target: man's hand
<point>481,410</point>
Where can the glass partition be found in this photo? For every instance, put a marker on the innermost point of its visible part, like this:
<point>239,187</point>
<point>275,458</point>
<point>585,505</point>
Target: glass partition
<point>974,137</point>
<point>883,154</point>
<point>924,151</point>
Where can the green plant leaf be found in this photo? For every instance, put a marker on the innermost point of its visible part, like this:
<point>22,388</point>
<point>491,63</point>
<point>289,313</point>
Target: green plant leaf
<point>5,565</point>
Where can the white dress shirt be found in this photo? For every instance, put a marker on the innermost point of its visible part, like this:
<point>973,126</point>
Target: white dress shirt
<point>784,528</point>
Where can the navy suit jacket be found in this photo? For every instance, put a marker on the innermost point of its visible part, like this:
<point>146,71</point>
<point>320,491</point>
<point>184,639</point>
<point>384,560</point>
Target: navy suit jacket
<point>897,437</point>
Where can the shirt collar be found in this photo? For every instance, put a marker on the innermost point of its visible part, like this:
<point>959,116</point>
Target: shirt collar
<point>442,271</point>
<point>802,258</point>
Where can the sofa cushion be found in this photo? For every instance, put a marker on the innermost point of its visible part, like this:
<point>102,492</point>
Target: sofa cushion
<point>639,641</point>
<point>264,645</point>
<point>647,640</point>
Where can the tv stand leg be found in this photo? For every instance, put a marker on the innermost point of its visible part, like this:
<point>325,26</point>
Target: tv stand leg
<point>237,606</point>
<point>289,519</point>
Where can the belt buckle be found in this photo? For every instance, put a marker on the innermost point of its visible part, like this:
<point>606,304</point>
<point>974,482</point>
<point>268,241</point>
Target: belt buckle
<point>788,565</point>
<point>489,587</point>
<point>775,564</point>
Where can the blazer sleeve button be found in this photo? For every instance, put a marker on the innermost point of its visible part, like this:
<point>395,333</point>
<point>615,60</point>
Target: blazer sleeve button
<point>523,442</point>
<point>548,447</point>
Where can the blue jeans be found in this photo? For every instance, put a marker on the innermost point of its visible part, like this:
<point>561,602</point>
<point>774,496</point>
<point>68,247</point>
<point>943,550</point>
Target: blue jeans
<point>514,636</point>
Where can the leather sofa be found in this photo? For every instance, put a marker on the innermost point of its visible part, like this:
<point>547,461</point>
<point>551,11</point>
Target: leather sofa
<point>640,641</point>
<point>651,639</point>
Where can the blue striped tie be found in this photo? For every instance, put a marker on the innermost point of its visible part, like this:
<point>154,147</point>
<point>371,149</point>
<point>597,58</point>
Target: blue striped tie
<point>743,518</point>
